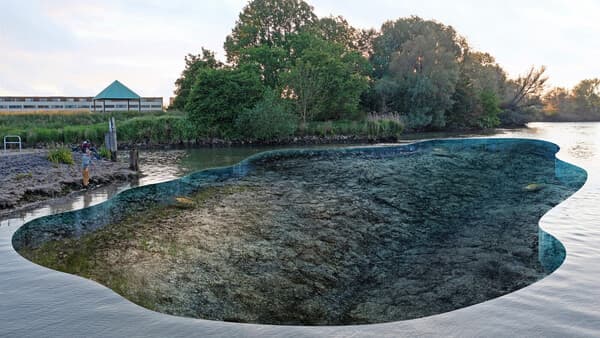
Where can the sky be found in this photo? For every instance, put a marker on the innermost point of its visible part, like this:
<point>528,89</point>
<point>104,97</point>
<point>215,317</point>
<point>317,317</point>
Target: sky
<point>78,47</point>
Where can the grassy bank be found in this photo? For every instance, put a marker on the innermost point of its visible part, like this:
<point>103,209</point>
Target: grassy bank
<point>161,128</point>
<point>73,127</point>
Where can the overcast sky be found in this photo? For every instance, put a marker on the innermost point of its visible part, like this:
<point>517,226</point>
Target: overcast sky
<point>77,47</point>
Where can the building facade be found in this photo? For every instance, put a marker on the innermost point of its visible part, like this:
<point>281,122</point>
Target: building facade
<point>59,103</point>
<point>115,97</point>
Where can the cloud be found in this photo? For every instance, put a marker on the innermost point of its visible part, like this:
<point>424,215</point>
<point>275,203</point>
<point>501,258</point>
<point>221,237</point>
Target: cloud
<point>73,47</point>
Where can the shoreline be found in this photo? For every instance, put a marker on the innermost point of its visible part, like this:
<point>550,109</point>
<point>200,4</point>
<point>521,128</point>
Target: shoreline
<point>29,178</point>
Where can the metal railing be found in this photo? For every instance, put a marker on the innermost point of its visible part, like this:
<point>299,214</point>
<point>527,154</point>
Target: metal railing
<point>12,142</point>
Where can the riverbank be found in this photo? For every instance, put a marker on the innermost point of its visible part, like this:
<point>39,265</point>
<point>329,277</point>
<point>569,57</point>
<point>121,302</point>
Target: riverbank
<point>30,177</point>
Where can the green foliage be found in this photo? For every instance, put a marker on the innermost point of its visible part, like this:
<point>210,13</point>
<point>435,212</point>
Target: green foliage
<point>385,125</point>
<point>491,109</point>
<point>327,80</point>
<point>162,129</point>
<point>104,152</point>
<point>219,95</point>
<point>61,155</point>
<point>417,62</point>
<point>271,118</point>
<point>73,128</point>
<point>193,64</point>
<point>267,23</point>
<point>340,127</point>
<point>376,126</point>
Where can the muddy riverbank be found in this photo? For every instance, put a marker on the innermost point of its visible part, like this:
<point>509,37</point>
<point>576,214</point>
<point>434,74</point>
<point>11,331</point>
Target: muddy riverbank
<point>29,177</point>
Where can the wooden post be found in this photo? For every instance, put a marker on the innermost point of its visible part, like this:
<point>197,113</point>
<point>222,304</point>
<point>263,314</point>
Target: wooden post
<point>112,137</point>
<point>134,160</point>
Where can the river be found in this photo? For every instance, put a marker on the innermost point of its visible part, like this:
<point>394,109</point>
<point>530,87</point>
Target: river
<point>42,302</point>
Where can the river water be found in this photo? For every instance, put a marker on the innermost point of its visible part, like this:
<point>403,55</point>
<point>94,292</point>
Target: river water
<point>567,303</point>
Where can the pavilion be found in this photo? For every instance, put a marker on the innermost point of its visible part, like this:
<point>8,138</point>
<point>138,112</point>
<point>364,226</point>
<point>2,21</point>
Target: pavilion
<point>117,91</point>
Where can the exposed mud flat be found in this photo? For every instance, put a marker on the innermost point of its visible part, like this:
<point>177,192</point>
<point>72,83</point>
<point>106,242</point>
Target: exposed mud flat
<point>31,177</point>
<point>332,238</point>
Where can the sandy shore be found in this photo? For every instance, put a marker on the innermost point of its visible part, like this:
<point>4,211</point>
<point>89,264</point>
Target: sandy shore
<point>29,176</point>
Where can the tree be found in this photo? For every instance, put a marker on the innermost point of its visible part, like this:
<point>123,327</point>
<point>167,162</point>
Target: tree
<point>586,95</point>
<point>271,61</point>
<point>337,30</point>
<point>267,22</point>
<point>193,64</point>
<point>558,101</point>
<point>417,65</point>
<point>219,95</point>
<point>526,88</point>
<point>481,84</point>
<point>396,33</point>
<point>325,80</point>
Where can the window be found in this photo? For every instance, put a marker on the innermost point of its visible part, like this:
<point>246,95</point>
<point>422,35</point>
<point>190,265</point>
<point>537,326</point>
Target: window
<point>3,107</point>
<point>15,107</point>
<point>43,106</point>
<point>28,99</point>
<point>109,106</point>
<point>28,107</point>
<point>58,107</point>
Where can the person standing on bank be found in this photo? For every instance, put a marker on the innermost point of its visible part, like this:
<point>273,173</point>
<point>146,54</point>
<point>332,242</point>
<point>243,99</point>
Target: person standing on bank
<point>86,162</point>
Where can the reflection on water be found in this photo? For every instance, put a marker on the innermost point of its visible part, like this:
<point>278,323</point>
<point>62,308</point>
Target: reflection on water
<point>579,140</point>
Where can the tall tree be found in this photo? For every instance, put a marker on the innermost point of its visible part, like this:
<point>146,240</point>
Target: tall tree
<point>482,84</point>
<point>267,22</point>
<point>193,64</point>
<point>219,95</point>
<point>416,62</point>
<point>526,88</point>
<point>326,80</point>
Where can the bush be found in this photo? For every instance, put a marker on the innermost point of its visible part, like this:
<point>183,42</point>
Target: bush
<point>104,152</point>
<point>61,155</point>
<point>271,118</point>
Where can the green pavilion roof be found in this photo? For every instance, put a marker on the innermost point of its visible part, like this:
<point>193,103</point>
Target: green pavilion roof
<point>117,91</point>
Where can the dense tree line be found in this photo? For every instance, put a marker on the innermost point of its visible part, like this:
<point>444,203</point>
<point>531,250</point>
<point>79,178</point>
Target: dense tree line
<point>581,103</point>
<point>286,67</point>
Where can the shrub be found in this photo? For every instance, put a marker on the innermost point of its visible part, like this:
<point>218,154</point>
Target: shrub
<point>270,118</point>
<point>61,155</point>
<point>104,152</point>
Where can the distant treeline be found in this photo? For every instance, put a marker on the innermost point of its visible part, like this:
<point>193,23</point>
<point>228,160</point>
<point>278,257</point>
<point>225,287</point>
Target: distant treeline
<point>286,67</point>
<point>582,103</point>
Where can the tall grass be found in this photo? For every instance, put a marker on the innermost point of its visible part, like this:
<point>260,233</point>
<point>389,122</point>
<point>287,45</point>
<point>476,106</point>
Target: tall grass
<point>374,127</point>
<point>72,128</point>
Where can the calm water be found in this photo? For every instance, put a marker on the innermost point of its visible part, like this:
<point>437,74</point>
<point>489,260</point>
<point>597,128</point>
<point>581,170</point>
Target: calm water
<point>567,303</point>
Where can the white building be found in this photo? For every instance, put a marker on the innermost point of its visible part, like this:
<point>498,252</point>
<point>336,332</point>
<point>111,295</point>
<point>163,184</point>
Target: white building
<point>116,97</point>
